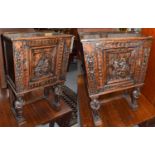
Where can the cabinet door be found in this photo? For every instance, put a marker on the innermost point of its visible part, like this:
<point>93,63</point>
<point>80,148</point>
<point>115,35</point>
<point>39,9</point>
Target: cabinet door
<point>45,57</point>
<point>43,63</point>
<point>122,67</point>
<point>36,62</point>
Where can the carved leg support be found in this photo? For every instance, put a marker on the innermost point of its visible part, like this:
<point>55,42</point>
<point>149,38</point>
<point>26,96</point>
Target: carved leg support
<point>53,94</point>
<point>58,93</point>
<point>95,106</point>
<point>18,106</point>
<point>134,97</point>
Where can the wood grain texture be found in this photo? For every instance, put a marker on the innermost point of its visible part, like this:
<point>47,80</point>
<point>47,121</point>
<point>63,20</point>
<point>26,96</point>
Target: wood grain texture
<point>36,114</point>
<point>115,113</point>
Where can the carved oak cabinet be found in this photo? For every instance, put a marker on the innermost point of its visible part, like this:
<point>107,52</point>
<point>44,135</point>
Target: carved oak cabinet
<point>114,62</point>
<point>34,61</point>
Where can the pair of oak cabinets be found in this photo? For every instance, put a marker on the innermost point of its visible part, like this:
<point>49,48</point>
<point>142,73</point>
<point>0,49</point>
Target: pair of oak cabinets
<point>114,62</point>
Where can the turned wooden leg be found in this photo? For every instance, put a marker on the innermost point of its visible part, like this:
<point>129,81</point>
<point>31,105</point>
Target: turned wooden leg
<point>135,95</point>
<point>95,106</point>
<point>58,93</point>
<point>52,94</point>
<point>18,106</point>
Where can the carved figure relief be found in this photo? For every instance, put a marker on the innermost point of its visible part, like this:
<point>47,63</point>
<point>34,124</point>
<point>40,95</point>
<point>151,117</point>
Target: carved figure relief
<point>43,66</point>
<point>120,68</point>
<point>43,61</point>
<point>120,64</point>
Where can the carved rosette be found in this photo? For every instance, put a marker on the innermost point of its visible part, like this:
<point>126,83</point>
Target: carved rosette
<point>118,44</point>
<point>95,104</point>
<point>40,42</point>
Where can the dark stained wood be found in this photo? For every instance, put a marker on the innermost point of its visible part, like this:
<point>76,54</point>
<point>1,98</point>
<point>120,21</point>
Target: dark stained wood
<point>115,113</point>
<point>114,62</point>
<point>3,30</point>
<point>36,114</point>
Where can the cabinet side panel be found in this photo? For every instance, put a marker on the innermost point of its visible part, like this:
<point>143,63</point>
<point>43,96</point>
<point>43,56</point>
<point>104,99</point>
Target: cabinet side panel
<point>9,59</point>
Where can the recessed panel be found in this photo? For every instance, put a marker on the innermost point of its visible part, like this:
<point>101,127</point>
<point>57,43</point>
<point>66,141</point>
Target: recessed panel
<point>43,61</point>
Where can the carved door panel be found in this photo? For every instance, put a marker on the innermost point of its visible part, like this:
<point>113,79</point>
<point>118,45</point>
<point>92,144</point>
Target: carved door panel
<point>43,63</point>
<point>46,58</point>
<point>38,62</point>
<point>121,66</point>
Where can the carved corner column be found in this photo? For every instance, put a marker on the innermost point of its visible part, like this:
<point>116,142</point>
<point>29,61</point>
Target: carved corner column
<point>18,106</point>
<point>95,106</point>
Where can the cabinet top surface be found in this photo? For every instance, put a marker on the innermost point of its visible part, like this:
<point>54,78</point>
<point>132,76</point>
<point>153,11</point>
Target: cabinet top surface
<point>97,36</point>
<point>34,35</point>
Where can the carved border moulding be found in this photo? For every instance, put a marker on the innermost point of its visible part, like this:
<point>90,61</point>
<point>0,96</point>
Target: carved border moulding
<point>44,42</point>
<point>18,58</point>
<point>144,64</point>
<point>117,44</point>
